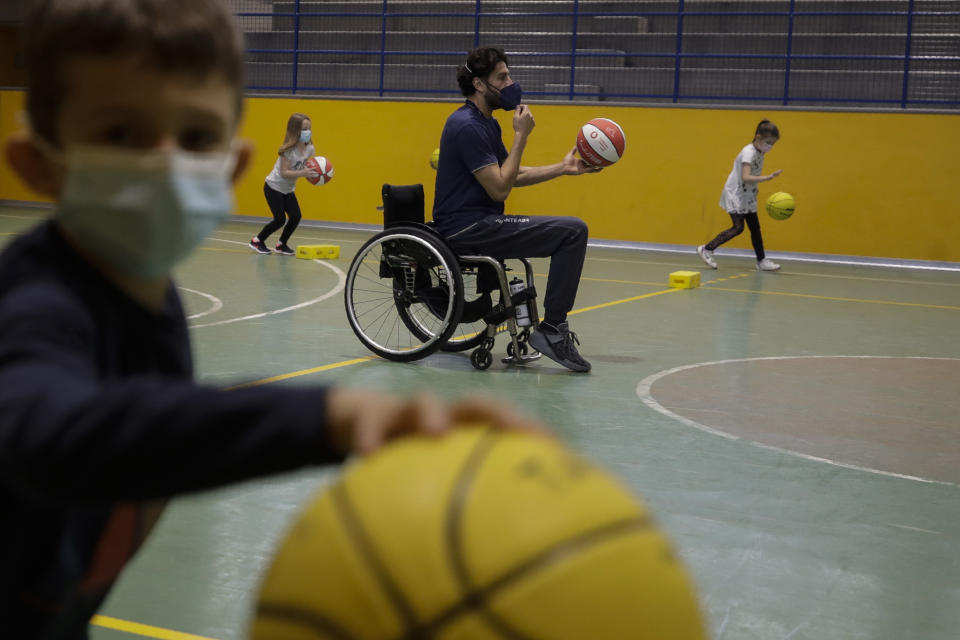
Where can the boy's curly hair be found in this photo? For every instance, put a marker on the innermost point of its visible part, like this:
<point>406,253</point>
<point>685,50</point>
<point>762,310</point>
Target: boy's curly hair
<point>480,63</point>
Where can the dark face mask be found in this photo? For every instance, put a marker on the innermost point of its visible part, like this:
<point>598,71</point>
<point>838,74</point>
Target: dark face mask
<point>507,98</point>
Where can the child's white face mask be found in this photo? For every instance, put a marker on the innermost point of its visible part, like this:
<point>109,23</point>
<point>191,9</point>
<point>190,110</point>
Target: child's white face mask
<point>144,211</point>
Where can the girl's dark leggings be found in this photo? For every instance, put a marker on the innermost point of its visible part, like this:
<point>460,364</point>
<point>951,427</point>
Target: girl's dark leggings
<point>285,209</point>
<point>753,223</point>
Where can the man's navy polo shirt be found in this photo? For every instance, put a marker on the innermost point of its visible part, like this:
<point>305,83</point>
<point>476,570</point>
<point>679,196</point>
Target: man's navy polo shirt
<point>470,141</point>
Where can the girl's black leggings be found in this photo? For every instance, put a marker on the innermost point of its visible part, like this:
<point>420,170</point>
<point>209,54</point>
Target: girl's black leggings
<point>285,209</point>
<point>753,223</point>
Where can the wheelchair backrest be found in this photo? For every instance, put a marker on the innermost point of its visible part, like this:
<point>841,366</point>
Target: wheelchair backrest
<point>402,204</point>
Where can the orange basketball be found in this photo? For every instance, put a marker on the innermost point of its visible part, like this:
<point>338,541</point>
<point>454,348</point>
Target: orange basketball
<point>601,142</point>
<point>323,167</point>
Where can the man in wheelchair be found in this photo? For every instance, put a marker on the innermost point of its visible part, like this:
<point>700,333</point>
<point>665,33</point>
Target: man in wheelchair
<point>475,174</point>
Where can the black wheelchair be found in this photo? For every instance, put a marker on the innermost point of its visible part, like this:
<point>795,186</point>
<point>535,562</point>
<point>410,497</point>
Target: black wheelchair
<point>407,295</point>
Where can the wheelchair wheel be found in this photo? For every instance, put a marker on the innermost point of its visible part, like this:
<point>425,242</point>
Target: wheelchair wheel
<point>471,330</point>
<point>404,294</point>
<point>481,359</point>
<point>524,349</point>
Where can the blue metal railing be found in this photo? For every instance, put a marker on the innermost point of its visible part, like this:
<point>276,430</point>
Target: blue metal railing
<point>944,93</point>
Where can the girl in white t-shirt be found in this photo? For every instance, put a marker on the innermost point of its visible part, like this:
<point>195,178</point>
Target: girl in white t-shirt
<point>739,197</point>
<point>280,183</point>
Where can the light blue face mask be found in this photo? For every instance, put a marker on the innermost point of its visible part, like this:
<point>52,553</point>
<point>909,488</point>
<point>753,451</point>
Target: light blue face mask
<point>305,136</point>
<point>144,211</point>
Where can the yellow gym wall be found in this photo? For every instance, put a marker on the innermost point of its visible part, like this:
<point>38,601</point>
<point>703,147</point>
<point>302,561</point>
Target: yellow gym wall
<point>866,184</point>
<point>12,119</point>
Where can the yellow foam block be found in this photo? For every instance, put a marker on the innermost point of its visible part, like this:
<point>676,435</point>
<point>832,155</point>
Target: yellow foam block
<point>322,251</point>
<point>685,279</point>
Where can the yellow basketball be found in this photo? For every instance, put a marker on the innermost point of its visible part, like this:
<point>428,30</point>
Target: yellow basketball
<point>435,158</point>
<point>478,535</point>
<point>780,205</point>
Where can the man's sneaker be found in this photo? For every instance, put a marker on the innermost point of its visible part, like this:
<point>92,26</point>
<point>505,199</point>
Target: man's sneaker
<point>767,265</point>
<point>284,249</point>
<point>257,245</point>
<point>559,346</point>
<point>707,256</point>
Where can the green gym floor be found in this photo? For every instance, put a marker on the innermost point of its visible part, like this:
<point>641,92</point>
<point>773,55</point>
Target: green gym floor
<point>796,433</point>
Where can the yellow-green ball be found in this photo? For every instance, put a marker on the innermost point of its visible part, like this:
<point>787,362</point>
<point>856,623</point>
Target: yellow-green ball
<point>435,158</point>
<point>480,534</point>
<point>780,205</point>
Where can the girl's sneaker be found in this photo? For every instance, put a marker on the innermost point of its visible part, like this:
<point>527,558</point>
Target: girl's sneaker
<point>767,265</point>
<point>257,245</point>
<point>707,256</point>
<point>283,249</point>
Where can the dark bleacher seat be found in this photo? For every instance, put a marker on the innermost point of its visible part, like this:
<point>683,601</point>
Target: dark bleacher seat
<point>618,54</point>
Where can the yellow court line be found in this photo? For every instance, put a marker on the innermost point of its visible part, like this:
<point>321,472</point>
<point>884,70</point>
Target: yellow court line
<point>652,284</point>
<point>303,372</point>
<point>739,275</point>
<point>652,262</point>
<point>347,363</point>
<point>143,629</point>
<point>301,238</point>
<point>615,302</point>
<point>249,251</point>
<point>836,299</point>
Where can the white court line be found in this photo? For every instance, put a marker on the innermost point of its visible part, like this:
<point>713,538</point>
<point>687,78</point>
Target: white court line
<point>788,272</point>
<point>341,282</point>
<point>216,303</point>
<point>909,528</point>
<point>643,392</point>
<point>865,278</point>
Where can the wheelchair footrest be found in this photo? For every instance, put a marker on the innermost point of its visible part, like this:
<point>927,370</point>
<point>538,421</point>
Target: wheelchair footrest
<point>523,359</point>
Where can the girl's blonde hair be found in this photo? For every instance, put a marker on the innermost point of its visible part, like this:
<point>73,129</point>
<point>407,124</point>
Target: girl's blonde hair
<point>292,137</point>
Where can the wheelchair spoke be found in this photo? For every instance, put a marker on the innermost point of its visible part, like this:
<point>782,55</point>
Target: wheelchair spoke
<point>385,307</point>
<point>468,334</point>
<point>377,322</point>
